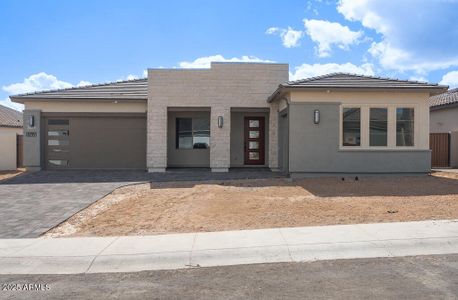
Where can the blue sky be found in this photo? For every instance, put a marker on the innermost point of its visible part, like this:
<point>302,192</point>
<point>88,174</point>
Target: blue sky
<point>59,44</point>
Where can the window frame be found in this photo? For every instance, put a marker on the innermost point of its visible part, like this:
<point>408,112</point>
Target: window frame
<point>391,124</point>
<point>342,107</point>
<point>192,134</point>
<point>414,132</point>
<point>387,126</point>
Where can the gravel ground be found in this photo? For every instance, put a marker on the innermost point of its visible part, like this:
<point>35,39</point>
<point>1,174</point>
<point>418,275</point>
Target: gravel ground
<point>249,204</point>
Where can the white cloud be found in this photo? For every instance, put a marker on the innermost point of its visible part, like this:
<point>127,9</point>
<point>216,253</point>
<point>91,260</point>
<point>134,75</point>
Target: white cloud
<point>131,77</point>
<point>204,62</point>
<point>290,37</point>
<point>326,34</point>
<point>418,36</point>
<point>358,10</point>
<point>7,102</point>
<point>451,79</point>
<point>418,78</point>
<point>309,70</point>
<point>37,82</point>
<point>273,30</point>
<point>83,83</point>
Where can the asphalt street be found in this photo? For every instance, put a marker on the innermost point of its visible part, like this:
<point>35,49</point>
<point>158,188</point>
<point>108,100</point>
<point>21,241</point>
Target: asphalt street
<point>420,277</point>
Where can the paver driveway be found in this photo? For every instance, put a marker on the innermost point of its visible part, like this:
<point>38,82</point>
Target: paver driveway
<point>33,203</point>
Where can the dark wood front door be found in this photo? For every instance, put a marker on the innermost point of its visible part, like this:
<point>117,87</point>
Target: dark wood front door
<point>254,140</point>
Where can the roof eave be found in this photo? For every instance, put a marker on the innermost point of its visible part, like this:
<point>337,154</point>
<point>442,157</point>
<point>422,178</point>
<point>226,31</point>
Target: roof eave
<point>275,94</point>
<point>282,88</point>
<point>443,106</point>
<point>436,88</point>
<point>22,99</point>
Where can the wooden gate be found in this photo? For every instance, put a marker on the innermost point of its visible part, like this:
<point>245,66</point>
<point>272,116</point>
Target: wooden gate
<point>20,151</point>
<point>439,143</point>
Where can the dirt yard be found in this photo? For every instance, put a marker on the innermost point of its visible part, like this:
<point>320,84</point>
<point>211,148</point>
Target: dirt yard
<point>248,204</point>
<point>4,175</point>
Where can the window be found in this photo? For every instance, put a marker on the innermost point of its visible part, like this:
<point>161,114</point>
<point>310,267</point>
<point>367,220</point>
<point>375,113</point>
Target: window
<point>58,143</point>
<point>58,162</point>
<point>192,133</point>
<point>58,133</point>
<point>378,127</point>
<point>351,126</point>
<point>404,126</point>
<point>57,122</point>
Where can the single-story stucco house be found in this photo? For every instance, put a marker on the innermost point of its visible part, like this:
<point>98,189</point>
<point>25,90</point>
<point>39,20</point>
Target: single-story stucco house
<point>233,115</point>
<point>444,119</point>
<point>10,128</point>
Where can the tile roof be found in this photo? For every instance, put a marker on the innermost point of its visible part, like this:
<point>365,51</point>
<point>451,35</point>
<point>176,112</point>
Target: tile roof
<point>355,81</point>
<point>447,98</point>
<point>121,90</point>
<point>346,80</point>
<point>10,117</point>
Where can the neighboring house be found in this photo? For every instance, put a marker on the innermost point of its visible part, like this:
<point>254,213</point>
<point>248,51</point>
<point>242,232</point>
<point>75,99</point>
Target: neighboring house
<point>444,119</point>
<point>233,115</point>
<point>10,127</point>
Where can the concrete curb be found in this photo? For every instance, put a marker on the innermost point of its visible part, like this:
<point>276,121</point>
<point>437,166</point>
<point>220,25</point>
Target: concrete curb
<point>177,251</point>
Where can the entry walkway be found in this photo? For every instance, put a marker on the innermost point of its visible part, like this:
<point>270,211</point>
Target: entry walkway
<point>176,251</point>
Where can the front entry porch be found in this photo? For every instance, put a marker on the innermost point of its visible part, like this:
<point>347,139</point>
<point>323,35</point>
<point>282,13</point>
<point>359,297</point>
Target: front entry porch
<point>219,139</point>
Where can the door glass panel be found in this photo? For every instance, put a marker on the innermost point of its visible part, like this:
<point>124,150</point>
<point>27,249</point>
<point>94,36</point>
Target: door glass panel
<point>253,155</point>
<point>254,123</point>
<point>253,145</point>
<point>254,134</point>
<point>58,162</point>
<point>57,142</point>
<point>58,133</point>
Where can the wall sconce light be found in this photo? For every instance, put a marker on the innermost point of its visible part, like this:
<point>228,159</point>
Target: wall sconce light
<point>316,116</point>
<point>220,121</point>
<point>31,121</point>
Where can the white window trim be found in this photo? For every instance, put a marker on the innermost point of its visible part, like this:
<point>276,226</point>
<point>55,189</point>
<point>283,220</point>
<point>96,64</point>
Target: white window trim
<point>365,131</point>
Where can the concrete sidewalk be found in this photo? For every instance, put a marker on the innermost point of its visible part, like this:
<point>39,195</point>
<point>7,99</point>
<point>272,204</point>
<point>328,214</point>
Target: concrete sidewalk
<point>175,251</point>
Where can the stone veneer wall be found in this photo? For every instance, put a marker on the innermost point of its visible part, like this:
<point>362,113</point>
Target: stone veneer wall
<point>222,87</point>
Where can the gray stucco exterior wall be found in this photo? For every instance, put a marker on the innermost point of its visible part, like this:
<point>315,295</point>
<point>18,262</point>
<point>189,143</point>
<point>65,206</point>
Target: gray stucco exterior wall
<point>314,148</point>
<point>444,119</point>
<point>32,140</point>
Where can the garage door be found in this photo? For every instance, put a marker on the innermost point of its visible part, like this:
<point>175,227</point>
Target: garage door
<point>95,142</point>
